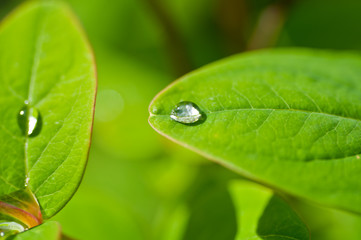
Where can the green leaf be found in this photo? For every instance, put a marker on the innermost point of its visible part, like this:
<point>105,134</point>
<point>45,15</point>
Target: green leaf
<point>46,231</point>
<point>288,118</point>
<point>143,186</point>
<point>327,223</point>
<point>46,61</point>
<point>211,210</point>
<point>263,215</point>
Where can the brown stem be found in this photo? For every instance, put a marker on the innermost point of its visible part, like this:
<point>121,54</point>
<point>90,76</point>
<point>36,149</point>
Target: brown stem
<point>64,237</point>
<point>233,19</point>
<point>176,49</point>
<point>269,25</point>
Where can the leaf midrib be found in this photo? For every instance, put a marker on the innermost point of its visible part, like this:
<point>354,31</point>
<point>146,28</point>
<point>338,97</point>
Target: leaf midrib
<point>38,41</point>
<point>269,109</point>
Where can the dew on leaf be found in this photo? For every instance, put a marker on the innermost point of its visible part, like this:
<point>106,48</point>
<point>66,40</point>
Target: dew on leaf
<point>29,120</point>
<point>19,211</point>
<point>187,113</point>
<point>10,228</point>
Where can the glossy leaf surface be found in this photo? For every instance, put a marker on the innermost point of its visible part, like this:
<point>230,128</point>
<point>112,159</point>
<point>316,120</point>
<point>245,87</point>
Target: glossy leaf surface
<point>289,118</point>
<point>46,62</point>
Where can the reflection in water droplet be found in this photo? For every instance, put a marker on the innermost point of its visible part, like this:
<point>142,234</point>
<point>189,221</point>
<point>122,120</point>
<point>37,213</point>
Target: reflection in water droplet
<point>29,120</point>
<point>187,113</point>
<point>27,181</point>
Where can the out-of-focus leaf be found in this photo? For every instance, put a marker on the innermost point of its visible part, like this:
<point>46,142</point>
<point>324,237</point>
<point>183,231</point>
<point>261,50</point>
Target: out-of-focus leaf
<point>45,61</point>
<point>147,182</point>
<point>46,231</point>
<point>326,223</point>
<point>263,215</point>
<point>176,224</point>
<point>274,115</point>
<point>212,213</point>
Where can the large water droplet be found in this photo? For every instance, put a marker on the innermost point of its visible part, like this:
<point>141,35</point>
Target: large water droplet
<point>10,228</point>
<point>187,113</point>
<point>29,120</point>
<point>19,211</point>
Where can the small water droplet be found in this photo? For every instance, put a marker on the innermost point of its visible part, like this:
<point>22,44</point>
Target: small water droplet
<point>187,113</point>
<point>29,120</point>
<point>27,181</point>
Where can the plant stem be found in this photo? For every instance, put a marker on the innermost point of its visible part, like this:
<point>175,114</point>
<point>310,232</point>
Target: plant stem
<point>270,24</point>
<point>233,20</point>
<point>176,49</point>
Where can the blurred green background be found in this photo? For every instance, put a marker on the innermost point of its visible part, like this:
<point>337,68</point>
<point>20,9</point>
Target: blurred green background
<point>139,185</point>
